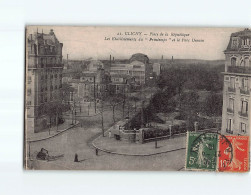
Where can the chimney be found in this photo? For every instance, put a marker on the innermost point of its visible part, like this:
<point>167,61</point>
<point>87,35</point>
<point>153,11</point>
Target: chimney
<point>51,32</point>
<point>113,59</point>
<point>172,58</point>
<point>162,57</point>
<point>31,37</point>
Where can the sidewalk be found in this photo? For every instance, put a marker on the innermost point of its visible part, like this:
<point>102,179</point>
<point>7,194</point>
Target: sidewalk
<point>111,145</point>
<point>53,131</point>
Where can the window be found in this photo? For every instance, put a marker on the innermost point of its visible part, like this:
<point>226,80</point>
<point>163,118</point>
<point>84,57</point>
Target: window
<point>244,84</point>
<point>232,82</point>
<point>246,62</point>
<point>28,92</point>
<point>233,61</point>
<point>229,125</point>
<point>243,127</point>
<point>29,79</point>
<point>234,43</point>
<point>28,103</point>
<point>231,105</point>
<point>245,42</point>
<point>244,107</point>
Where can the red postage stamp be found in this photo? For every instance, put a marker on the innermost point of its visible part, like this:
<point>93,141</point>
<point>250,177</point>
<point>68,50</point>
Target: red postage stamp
<point>233,153</point>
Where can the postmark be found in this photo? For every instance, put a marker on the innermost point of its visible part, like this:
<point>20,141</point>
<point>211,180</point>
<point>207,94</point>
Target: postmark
<point>201,151</point>
<point>233,157</point>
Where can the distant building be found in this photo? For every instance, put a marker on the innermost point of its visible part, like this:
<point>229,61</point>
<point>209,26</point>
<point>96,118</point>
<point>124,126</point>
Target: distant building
<point>91,85</point>
<point>156,68</point>
<point>121,83</point>
<point>139,68</point>
<point>44,78</point>
<point>95,65</point>
<point>139,57</point>
<point>237,82</point>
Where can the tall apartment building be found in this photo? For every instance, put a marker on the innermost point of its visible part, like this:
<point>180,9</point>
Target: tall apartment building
<point>237,84</point>
<point>43,78</point>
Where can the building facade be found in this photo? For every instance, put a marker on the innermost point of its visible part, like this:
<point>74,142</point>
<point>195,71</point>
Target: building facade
<point>43,78</point>
<point>91,85</point>
<point>237,84</point>
<point>121,84</point>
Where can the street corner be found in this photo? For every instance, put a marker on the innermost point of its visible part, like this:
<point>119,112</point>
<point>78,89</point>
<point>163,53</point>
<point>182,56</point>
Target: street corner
<point>125,147</point>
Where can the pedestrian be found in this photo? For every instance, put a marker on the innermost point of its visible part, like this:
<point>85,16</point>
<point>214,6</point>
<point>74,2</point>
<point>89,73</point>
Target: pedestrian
<point>76,158</point>
<point>96,151</point>
<point>110,134</point>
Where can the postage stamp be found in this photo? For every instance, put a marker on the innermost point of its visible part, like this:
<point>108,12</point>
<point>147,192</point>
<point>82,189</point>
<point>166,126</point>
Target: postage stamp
<point>233,155</point>
<point>201,151</point>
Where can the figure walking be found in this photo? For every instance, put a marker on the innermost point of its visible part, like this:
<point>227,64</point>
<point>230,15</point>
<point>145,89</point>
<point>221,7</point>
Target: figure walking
<point>96,151</point>
<point>76,158</point>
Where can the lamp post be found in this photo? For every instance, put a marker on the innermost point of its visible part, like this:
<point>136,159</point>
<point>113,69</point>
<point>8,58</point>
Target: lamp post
<point>102,110</point>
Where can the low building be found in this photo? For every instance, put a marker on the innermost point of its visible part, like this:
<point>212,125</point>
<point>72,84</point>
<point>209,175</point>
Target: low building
<point>91,85</point>
<point>121,83</point>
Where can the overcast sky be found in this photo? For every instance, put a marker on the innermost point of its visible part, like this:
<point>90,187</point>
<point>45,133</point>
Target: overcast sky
<point>87,42</point>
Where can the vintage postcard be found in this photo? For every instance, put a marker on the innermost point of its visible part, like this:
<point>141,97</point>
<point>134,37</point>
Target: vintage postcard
<point>137,98</point>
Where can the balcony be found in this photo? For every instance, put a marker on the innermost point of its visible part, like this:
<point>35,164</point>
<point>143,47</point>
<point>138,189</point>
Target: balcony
<point>244,91</point>
<point>229,131</point>
<point>243,114</point>
<point>230,110</point>
<point>231,89</point>
<point>239,69</point>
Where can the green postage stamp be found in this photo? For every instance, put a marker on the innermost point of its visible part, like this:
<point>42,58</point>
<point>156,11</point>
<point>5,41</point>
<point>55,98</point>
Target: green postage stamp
<point>201,151</point>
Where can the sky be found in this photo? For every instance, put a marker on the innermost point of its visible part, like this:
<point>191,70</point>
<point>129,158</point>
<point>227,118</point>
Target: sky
<point>89,42</point>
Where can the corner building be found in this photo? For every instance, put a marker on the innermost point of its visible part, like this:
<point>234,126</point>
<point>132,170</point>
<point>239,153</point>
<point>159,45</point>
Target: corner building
<point>237,84</point>
<point>43,78</point>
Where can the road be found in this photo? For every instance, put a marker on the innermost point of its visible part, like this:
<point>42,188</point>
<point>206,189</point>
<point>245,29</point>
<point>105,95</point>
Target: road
<point>78,141</point>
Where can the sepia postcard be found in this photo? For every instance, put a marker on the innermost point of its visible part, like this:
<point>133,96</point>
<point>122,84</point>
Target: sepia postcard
<point>137,98</point>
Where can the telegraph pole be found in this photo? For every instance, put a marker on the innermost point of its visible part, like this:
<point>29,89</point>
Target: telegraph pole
<point>94,93</point>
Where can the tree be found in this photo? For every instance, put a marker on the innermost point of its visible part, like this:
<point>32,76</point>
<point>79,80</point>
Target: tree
<point>171,82</point>
<point>114,101</point>
<point>213,105</point>
<point>135,99</point>
<point>65,92</point>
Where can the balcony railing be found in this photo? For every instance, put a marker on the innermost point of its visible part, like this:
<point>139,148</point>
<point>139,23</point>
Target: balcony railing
<point>239,69</point>
<point>231,89</point>
<point>229,131</point>
<point>244,91</point>
<point>244,114</point>
<point>230,110</point>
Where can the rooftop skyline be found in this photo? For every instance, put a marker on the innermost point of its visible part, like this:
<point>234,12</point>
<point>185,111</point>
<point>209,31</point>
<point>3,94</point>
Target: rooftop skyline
<point>89,42</point>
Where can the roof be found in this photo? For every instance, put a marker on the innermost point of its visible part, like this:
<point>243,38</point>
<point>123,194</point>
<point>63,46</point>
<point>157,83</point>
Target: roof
<point>245,33</point>
<point>88,74</point>
<point>114,75</point>
<point>239,36</point>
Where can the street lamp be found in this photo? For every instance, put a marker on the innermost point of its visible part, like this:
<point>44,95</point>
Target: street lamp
<point>49,124</point>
